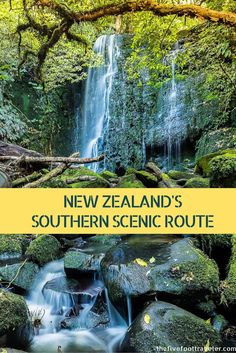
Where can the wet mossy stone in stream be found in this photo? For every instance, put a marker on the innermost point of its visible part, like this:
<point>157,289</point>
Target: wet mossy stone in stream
<point>165,325</point>
<point>20,276</point>
<point>43,249</point>
<point>197,182</point>
<point>130,181</point>
<point>14,320</point>
<point>203,166</point>
<point>223,171</point>
<point>76,261</point>
<point>188,273</point>
<point>177,175</point>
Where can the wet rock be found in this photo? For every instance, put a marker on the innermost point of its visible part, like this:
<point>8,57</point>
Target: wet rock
<point>76,261</point>
<point>43,249</point>
<point>108,240</point>
<point>188,273</point>
<point>130,181</point>
<point>15,325</point>
<point>203,166</point>
<point>165,325</point>
<point>154,169</point>
<point>106,174</point>
<point>219,323</point>
<point>10,247</point>
<point>197,182</point>
<point>136,268</point>
<point>22,277</point>
<point>223,171</point>
<point>4,180</point>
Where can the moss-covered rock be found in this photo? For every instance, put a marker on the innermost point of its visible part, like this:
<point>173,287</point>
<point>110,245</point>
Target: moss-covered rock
<point>165,325</point>
<point>106,174</point>
<point>130,181</point>
<point>148,179</point>
<point>43,249</point>
<point>14,319</point>
<point>203,164</point>
<point>223,171</point>
<point>228,287</point>
<point>176,175</point>
<point>10,247</point>
<point>22,277</point>
<point>80,261</point>
<point>216,140</point>
<point>197,182</point>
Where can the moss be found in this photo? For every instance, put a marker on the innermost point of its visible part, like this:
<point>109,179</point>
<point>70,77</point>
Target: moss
<point>43,249</point>
<point>13,312</point>
<point>197,182</point>
<point>99,182</point>
<point>148,179</point>
<point>130,171</point>
<point>228,297</point>
<point>223,171</point>
<point>203,164</point>
<point>10,244</point>
<point>176,175</point>
<point>130,181</point>
<point>108,175</point>
<point>19,276</point>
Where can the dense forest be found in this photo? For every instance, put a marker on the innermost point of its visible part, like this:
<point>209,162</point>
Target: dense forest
<point>117,94</point>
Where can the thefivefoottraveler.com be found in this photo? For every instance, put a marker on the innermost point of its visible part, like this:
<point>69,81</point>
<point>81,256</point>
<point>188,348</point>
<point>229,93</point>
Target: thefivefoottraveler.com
<point>195,349</point>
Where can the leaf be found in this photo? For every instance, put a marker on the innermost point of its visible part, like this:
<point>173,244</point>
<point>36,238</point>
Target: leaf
<point>207,346</point>
<point>147,319</point>
<point>208,321</point>
<point>140,262</point>
<point>152,260</point>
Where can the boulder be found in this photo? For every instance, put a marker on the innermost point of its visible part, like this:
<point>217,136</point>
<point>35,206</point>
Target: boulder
<point>76,261</point>
<point>43,249</point>
<point>130,181</point>
<point>197,182</point>
<point>177,175</point>
<point>223,171</point>
<point>165,325</point>
<point>15,325</point>
<point>203,166</point>
<point>149,180</point>
<point>10,247</point>
<point>177,270</point>
<point>4,180</point>
<point>151,167</point>
<point>22,277</point>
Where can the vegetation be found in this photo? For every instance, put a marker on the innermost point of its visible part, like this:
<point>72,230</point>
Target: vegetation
<point>43,249</point>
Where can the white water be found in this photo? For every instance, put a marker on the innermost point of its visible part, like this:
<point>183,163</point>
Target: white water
<point>96,98</point>
<point>52,308</point>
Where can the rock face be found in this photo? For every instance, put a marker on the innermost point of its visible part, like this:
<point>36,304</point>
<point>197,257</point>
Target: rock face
<point>165,325</point>
<point>15,324</point>
<point>43,249</point>
<point>179,270</point>
<point>19,276</point>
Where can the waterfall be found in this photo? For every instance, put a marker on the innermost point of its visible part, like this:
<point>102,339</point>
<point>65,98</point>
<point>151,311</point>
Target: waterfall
<point>95,112</point>
<point>52,303</point>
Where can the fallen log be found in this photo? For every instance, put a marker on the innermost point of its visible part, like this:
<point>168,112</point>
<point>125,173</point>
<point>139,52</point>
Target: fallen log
<point>28,178</point>
<point>51,160</point>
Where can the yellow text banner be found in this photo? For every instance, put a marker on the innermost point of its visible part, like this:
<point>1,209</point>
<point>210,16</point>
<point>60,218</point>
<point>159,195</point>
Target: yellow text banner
<point>117,211</point>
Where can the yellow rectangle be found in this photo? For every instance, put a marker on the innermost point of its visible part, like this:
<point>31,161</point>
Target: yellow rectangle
<point>117,211</point>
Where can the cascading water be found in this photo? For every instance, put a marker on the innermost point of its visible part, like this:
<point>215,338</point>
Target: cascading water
<point>95,114</point>
<point>51,303</point>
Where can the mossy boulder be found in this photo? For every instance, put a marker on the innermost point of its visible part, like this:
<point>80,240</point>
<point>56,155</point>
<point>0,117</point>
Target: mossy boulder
<point>228,287</point>
<point>188,273</point>
<point>149,180</point>
<point>165,325</point>
<point>21,277</point>
<point>15,324</point>
<point>10,247</point>
<point>43,249</point>
<point>197,182</point>
<point>216,140</point>
<point>106,174</point>
<point>177,175</point>
<point>203,166</point>
<point>223,171</point>
<point>130,181</point>
<point>76,261</point>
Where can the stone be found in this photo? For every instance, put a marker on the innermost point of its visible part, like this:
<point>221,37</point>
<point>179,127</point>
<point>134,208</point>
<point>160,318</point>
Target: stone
<point>130,181</point>
<point>203,167</point>
<point>43,249</point>
<point>24,278</point>
<point>223,171</point>
<point>10,247</point>
<point>15,323</point>
<point>165,325</point>
<point>78,261</point>
<point>197,182</point>
<point>177,175</point>
<point>149,180</point>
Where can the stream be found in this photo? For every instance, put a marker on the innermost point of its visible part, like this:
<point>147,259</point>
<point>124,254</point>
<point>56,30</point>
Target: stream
<point>52,308</point>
